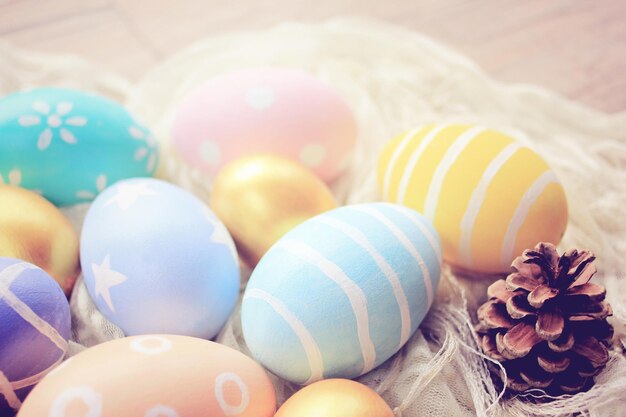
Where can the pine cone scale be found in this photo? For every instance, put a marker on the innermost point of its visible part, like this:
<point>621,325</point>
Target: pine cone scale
<point>517,281</point>
<point>589,290</point>
<point>490,348</point>
<point>498,290</point>
<point>519,340</point>
<point>550,325</point>
<point>591,349</point>
<point>536,377</point>
<point>492,317</point>
<point>540,295</point>
<point>518,307</point>
<point>552,363</point>
<point>563,343</point>
<point>585,275</point>
<point>572,384</point>
<point>587,312</point>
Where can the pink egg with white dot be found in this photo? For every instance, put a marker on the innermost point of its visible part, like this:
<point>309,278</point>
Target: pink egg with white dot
<point>270,110</point>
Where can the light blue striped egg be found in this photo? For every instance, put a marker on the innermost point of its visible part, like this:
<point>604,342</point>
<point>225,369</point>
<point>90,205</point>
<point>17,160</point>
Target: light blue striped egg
<point>342,292</point>
<point>69,145</point>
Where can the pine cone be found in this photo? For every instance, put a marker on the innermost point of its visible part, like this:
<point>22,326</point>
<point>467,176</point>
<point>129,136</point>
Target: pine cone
<point>546,323</point>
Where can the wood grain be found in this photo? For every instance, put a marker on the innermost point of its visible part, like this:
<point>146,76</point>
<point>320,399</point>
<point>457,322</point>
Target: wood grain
<point>574,47</point>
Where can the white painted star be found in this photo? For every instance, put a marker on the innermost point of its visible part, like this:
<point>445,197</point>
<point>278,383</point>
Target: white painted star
<point>220,234</point>
<point>127,194</point>
<point>106,278</point>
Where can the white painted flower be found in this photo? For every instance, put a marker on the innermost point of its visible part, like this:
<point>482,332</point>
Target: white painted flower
<point>14,178</point>
<point>150,146</point>
<point>57,120</point>
<point>101,184</point>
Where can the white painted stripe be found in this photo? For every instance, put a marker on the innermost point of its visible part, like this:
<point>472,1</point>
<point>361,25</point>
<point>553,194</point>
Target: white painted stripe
<point>392,277</point>
<point>8,275</point>
<point>450,157</point>
<point>312,350</point>
<point>394,158</point>
<point>432,240</point>
<point>529,198</point>
<point>406,242</point>
<point>8,393</point>
<point>412,163</point>
<point>11,272</point>
<point>477,199</point>
<point>355,294</point>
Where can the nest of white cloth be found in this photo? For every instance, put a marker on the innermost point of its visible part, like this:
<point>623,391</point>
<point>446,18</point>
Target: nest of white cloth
<point>394,79</point>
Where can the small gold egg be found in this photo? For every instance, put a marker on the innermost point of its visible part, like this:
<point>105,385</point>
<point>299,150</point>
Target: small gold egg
<point>261,197</point>
<point>34,230</point>
<point>335,398</point>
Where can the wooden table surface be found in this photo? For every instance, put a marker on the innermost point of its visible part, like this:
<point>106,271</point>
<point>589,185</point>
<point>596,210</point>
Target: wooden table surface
<point>574,47</point>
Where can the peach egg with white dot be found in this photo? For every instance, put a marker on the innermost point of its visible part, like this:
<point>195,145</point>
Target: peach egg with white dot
<point>267,110</point>
<point>154,376</point>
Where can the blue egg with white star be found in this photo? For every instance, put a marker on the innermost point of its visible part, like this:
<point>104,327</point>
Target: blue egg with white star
<point>156,260</point>
<point>69,145</point>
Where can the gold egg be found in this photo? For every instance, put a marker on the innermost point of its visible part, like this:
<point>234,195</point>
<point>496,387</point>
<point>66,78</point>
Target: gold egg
<point>335,398</point>
<point>34,230</point>
<point>261,197</point>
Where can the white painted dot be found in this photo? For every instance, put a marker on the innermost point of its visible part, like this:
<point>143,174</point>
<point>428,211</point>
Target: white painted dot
<point>54,120</point>
<point>210,152</point>
<point>42,107</point>
<point>151,163</point>
<point>136,133</point>
<point>64,108</point>
<point>87,395</point>
<point>161,411</point>
<point>260,98</point>
<point>140,153</point>
<point>15,177</point>
<point>313,155</point>
<point>138,345</point>
<point>29,120</point>
<point>229,409</point>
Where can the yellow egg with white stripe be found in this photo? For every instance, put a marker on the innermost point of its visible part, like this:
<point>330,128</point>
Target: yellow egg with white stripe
<point>489,196</point>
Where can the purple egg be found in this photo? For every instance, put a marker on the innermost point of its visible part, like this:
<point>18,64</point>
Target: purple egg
<point>34,329</point>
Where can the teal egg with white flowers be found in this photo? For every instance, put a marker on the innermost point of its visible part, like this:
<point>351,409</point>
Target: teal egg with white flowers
<point>342,292</point>
<point>69,145</point>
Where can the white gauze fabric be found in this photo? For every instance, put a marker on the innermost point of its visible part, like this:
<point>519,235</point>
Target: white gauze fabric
<point>395,79</point>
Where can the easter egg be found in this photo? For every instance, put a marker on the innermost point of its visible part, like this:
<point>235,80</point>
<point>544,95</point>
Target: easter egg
<point>342,292</point>
<point>489,196</point>
<point>34,329</point>
<point>33,229</point>
<point>335,398</point>
<point>261,197</point>
<point>156,260</point>
<point>266,110</point>
<point>69,145</point>
<point>155,376</point>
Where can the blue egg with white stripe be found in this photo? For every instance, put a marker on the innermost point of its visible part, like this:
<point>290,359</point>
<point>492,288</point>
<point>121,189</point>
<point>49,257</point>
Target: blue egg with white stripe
<point>34,329</point>
<point>342,292</point>
<point>156,260</point>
